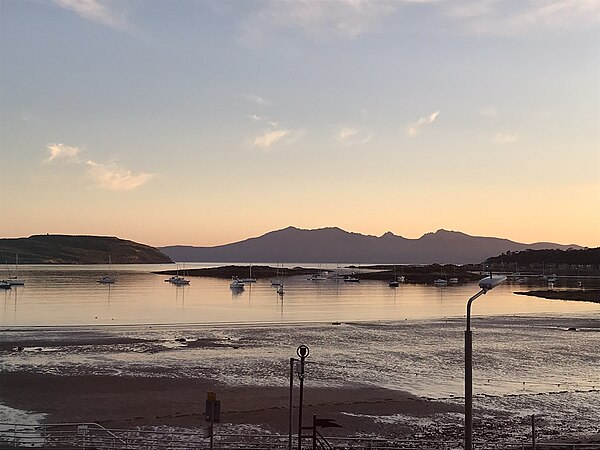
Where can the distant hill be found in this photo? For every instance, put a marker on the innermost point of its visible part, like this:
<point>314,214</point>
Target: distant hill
<point>588,256</point>
<point>336,245</point>
<point>66,249</point>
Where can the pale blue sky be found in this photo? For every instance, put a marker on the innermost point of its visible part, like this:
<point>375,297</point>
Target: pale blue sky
<point>208,122</point>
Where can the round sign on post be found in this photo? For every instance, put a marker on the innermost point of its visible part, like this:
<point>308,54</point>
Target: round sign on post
<point>302,351</point>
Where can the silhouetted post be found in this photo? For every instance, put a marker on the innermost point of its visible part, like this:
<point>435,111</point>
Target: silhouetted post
<point>292,360</point>
<point>533,431</point>
<point>212,415</point>
<point>485,284</point>
<point>314,432</point>
<point>302,351</point>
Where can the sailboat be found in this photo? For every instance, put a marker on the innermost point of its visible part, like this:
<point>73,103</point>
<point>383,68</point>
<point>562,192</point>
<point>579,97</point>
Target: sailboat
<point>249,279</point>
<point>441,282</point>
<point>108,279</point>
<point>394,283</point>
<point>277,282</point>
<point>15,281</point>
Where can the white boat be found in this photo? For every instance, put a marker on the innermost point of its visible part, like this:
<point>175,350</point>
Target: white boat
<point>395,282</point>
<point>277,282</point>
<point>440,282</point>
<point>14,280</point>
<point>180,281</point>
<point>107,279</point>
<point>349,279</point>
<point>280,290</point>
<point>249,279</point>
<point>453,280</point>
<point>4,284</point>
<point>553,279</point>
<point>236,283</point>
<point>318,277</point>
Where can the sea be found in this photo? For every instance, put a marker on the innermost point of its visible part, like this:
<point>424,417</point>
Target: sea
<point>531,355</point>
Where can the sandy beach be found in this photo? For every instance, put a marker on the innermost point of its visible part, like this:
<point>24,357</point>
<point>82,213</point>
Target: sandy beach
<point>405,383</point>
<point>127,402</point>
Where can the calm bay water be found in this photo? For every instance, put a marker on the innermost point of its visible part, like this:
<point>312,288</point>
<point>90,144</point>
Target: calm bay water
<point>70,295</point>
<point>410,338</point>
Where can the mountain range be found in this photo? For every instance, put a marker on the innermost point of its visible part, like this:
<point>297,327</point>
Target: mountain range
<point>334,245</point>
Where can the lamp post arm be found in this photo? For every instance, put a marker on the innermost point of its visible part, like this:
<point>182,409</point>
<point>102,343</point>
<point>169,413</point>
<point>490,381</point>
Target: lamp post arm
<point>479,294</point>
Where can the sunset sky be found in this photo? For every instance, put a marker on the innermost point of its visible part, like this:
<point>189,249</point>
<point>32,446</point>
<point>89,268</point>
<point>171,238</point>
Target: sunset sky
<point>207,122</point>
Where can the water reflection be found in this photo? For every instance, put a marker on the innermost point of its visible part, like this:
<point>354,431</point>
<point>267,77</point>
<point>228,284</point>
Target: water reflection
<point>72,297</point>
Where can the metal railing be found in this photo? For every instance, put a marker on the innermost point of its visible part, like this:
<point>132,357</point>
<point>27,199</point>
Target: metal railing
<point>93,436</point>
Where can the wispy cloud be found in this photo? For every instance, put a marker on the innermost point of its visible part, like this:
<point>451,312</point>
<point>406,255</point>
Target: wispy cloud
<point>352,135</point>
<point>319,20</point>
<point>503,139</point>
<point>98,11</point>
<point>416,127</point>
<point>61,151</point>
<point>256,99</point>
<point>269,138</point>
<point>113,177</point>
<point>499,17</point>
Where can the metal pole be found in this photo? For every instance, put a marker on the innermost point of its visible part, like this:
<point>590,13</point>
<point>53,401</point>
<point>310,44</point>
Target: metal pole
<point>533,431</point>
<point>291,403</point>
<point>314,432</point>
<point>212,426</point>
<point>300,403</point>
<point>302,351</point>
<point>469,376</point>
<point>468,390</point>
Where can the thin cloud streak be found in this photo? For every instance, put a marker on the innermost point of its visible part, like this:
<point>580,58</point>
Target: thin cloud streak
<point>97,11</point>
<point>503,139</point>
<point>268,138</point>
<point>416,127</point>
<point>319,20</point>
<point>495,17</point>
<point>257,100</point>
<point>114,177</point>
<point>351,135</point>
<point>111,176</point>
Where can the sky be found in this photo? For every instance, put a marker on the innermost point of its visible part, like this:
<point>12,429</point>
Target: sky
<point>208,122</point>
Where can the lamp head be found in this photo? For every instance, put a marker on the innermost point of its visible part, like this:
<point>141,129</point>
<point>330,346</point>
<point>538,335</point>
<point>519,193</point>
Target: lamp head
<point>302,351</point>
<point>489,283</point>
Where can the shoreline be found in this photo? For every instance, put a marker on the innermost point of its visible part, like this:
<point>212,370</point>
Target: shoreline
<point>592,295</point>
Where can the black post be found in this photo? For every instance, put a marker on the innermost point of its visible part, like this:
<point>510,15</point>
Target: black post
<point>533,431</point>
<point>212,426</point>
<point>469,376</point>
<point>291,403</point>
<point>468,390</point>
<point>302,351</point>
<point>314,434</point>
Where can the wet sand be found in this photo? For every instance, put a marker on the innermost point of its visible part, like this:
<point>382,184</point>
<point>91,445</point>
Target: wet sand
<point>125,402</point>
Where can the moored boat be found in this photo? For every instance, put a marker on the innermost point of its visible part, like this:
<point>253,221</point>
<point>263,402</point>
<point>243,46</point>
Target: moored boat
<point>236,283</point>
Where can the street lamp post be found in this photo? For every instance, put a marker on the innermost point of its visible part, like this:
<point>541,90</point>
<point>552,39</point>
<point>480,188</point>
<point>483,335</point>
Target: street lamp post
<point>486,284</point>
<point>302,351</point>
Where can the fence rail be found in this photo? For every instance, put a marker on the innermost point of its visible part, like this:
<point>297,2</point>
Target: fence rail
<point>93,436</point>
